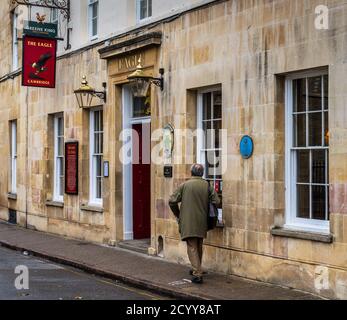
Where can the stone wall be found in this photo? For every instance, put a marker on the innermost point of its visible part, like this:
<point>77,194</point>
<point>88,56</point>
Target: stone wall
<point>247,47</point>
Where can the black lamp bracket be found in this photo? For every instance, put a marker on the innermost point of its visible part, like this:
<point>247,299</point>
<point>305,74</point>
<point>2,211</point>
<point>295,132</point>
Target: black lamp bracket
<point>159,82</point>
<point>102,94</point>
<point>62,5</point>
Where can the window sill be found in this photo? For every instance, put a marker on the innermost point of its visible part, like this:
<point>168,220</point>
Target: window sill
<point>303,235</point>
<point>12,196</point>
<point>92,208</point>
<point>50,203</point>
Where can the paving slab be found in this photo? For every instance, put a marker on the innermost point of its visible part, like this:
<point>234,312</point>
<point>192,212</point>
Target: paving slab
<point>143,271</point>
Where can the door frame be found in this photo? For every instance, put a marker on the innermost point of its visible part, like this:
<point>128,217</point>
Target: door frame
<point>128,122</point>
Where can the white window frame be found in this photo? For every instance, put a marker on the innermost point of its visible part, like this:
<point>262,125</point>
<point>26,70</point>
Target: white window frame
<point>201,147</point>
<point>138,11</point>
<point>13,157</point>
<point>292,221</point>
<point>91,18</point>
<point>58,195</point>
<point>55,16</point>
<point>15,64</point>
<point>93,200</point>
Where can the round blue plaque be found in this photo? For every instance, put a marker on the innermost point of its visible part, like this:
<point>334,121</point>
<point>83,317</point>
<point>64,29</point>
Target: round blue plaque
<point>246,147</point>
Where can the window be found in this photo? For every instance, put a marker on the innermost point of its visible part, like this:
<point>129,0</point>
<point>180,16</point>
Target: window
<point>209,151</point>
<point>144,9</point>
<point>307,148</point>
<point>93,18</point>
<point>54,16</point>
<point>58,158</point>
<point>14,42</point>
<point>96,155</point>
<point>13,128</point>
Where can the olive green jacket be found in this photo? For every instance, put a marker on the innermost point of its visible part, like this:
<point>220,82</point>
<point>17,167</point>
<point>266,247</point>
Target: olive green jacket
<point>192,215</point>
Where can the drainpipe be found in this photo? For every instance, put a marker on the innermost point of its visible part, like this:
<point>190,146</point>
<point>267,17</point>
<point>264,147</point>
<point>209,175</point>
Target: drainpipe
<point>27,157</point>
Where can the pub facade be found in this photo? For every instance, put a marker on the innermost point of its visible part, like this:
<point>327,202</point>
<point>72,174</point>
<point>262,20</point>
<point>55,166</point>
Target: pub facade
<point>267,70</point>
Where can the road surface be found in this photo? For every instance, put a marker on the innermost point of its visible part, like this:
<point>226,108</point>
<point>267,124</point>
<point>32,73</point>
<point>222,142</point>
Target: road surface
<point>49,281</point>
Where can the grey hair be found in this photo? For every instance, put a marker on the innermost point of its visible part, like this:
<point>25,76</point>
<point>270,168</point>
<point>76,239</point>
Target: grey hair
<point>197,170</point>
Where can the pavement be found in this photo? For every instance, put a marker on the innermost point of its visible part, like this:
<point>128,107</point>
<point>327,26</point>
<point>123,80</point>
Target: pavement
<point>141,271</point>
<point>50,281</point>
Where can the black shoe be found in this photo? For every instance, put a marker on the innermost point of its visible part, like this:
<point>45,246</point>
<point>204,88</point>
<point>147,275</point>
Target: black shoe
<point>197,280</point>
<point>191,272</point>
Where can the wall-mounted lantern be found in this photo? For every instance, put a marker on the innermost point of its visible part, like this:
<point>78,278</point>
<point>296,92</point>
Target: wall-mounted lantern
<point>140,82</point>
<point>86,94</point>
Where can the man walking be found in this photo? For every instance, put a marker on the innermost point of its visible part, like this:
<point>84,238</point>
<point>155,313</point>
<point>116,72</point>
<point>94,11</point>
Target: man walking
<point>194,197</point>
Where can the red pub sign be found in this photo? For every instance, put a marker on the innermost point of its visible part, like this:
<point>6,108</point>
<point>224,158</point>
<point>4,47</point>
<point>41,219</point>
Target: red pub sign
<point>39,62</point>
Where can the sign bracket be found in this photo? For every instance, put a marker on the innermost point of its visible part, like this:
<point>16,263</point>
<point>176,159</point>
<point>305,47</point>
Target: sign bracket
<point>62,5</point>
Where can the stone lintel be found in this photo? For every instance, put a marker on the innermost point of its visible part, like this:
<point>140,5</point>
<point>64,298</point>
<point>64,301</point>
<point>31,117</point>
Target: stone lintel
<point>127,46</point>
<point>304,235</point>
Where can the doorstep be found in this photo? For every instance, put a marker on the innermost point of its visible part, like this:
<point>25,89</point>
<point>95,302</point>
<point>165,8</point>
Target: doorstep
<point>140,246</point>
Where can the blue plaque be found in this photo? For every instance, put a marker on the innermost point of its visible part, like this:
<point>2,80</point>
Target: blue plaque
<point>246,147</point>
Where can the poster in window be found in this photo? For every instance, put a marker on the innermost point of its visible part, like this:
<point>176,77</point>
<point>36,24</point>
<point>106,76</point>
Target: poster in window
<point>71,168</point>
<point>39,62</point>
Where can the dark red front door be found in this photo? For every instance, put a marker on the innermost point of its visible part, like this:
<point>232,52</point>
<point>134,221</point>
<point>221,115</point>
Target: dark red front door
<point>141,185</point>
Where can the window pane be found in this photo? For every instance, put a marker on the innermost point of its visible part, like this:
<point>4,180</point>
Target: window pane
<point>98,188</point>
<point>98,166</point>
<point>303,166</point>
<point>318,202</point>
<point>207,126</point>
<point>210,164</point>
<point>218,165</point>
<point>303,201</point>
<point>300,130</point>
<point>328,203</point>
<point>60,126</point>
<point>318,166</point>
<point>60,146</point>
<point>149,8</point>
<point>61,185</point>
<point>315,129</point>
<point>326,129</point>
<point>299,95</point>
<point>101,143</point>
<point>217,126</point>
<point>101,120</point>
<point>217,112</point>
<point>96,121</point>
<point>140,108</point>
<point>143,9</point>
<point>326,92</point>
<point>207,114</point>
<point>315,93</point>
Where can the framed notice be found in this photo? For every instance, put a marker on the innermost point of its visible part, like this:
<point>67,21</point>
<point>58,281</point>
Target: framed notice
<point>39,62</point>
<point>71,168</point>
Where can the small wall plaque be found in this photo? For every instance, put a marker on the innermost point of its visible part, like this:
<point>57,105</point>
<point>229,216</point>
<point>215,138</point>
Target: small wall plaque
<point>106,169</point>
<point>168,172</point>
<point>71,168</point>
<point>246,147</point>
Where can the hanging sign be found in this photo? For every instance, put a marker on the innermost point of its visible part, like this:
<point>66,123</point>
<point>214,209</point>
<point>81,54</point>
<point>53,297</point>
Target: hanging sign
<point>34,28</point>
<point>39,62</point>
<point>71,168</point>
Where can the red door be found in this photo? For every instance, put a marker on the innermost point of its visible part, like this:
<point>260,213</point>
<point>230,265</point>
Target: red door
<point>141,186</point>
